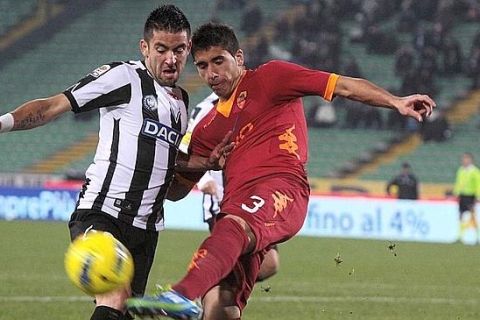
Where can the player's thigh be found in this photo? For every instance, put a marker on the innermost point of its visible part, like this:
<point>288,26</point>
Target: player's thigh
<point>143,262</point>
<point>466,203</point>
<point>274,209</point>
<point>86,220</point>
<point>142,245</point>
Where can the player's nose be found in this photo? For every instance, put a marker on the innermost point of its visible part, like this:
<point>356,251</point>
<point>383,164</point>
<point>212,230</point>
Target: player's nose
<point>211,74</point>
<point>170,59</point>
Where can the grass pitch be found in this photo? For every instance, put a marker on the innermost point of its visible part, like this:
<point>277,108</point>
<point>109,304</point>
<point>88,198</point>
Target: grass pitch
<point>319,278</point>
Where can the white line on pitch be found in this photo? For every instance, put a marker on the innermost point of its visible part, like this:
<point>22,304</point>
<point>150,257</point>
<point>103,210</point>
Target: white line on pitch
<point>45,299</point>
<point>313,299</point>
<point>367,299</point>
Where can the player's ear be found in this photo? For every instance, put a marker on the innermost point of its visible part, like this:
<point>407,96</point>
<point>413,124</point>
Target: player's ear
<point>239,57</point>
<point>143,47</point>
<point>189,47</point>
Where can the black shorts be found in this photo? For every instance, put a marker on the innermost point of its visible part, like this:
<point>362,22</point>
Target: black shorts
<point>141,243</point>
<point>466,203</point>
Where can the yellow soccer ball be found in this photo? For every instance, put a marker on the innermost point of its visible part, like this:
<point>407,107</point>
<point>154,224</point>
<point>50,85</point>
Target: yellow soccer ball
<point>98,263</point>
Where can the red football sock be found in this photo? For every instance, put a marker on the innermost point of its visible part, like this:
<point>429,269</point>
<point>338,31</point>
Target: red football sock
<point>214,259</point>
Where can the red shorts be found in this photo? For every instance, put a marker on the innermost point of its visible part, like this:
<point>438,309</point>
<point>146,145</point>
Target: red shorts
<point>275,210</point>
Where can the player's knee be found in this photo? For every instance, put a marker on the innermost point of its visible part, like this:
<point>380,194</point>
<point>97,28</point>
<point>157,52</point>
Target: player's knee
<point>266,271</point>
<point>220,312</point>
<point>269,266</point>
<point>232,312</point>
<point>114,299</point>
<point>244,225</point>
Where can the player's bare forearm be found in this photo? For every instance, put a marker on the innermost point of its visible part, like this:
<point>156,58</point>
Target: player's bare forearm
<point>416,106</point>
<point>195,163</point>
<point>29,115</point>
<point>182,184</point>
<point>364,91</point>
<point>176,193</point>
<point>38,112</point>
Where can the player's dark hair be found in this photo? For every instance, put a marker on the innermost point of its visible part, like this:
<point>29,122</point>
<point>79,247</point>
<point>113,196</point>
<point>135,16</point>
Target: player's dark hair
<point>166,18</point>
<point>213,34</point>
<point>468,154</point>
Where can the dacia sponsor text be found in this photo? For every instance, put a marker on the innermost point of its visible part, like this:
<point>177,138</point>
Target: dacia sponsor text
<point>155,129</point>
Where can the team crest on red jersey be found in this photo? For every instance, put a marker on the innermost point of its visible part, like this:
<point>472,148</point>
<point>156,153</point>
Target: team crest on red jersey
<point>241,99</point>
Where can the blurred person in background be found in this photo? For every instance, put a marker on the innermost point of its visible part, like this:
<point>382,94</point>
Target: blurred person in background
<point>436,128</point>
<point>467,189</point>
<point>266,187</point>
<point>252,18</point>
<point>405,182</point>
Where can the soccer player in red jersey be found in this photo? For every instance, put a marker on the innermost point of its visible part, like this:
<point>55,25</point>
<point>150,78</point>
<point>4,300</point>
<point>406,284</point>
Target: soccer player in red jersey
<point>266,188</point>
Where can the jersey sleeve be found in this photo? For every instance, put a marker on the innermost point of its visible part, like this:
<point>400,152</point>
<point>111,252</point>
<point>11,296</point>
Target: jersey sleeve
<point>106,86</point>
<point>457,185</point>
<point>185,142</point>
<point>285,81</point>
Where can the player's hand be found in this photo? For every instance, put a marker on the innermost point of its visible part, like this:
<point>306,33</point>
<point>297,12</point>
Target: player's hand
<point>210,187</point>
<point>417,106</point>
<point>219,154</point>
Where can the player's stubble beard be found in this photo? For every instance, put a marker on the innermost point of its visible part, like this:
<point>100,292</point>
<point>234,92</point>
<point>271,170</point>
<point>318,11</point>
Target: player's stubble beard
<point>231,89</point>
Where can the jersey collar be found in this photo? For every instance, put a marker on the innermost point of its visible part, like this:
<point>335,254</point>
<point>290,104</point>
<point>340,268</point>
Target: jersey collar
<point>224,107</point>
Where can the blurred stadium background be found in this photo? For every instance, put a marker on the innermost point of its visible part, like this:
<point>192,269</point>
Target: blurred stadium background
<point>406,46</point>
<point>429,46</point>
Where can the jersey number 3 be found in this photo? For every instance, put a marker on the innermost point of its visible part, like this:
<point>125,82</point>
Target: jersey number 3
<point>257,203</point>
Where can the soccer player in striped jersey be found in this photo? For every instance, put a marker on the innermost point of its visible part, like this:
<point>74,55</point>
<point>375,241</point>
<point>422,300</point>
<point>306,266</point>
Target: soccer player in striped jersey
<point>143,116</point>
<point>266,188</point>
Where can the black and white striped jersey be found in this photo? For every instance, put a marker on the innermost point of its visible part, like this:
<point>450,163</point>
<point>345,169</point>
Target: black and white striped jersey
<point>141,126</point>
<point>197,114</point>
<point>211,203</point>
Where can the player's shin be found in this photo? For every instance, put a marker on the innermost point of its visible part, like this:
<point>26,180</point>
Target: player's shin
<point>215,258</point>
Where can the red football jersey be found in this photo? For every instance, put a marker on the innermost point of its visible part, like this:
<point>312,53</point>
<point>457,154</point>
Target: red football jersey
<point>267,118</point>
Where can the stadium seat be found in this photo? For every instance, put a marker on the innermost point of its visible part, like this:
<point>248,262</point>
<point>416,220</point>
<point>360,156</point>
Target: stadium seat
<point>13,12</point>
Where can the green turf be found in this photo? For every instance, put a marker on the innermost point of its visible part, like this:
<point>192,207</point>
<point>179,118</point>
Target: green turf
<point>422,281</point>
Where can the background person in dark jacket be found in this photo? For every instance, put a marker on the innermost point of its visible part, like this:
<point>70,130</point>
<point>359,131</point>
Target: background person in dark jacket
<point>406,182</point>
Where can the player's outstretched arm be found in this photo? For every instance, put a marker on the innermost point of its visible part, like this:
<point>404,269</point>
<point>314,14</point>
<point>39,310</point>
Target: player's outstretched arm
<point>416,106</point>
<point>34,113</point>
